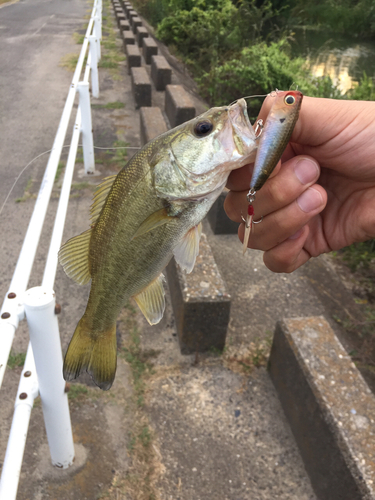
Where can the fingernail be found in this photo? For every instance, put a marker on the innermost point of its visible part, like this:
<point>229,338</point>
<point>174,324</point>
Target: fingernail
<point>306,171</point>
<point>310,200</point>
<point>296,235</point>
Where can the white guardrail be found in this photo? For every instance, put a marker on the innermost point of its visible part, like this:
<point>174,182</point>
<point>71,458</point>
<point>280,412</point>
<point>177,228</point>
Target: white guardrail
<point>42,372</point>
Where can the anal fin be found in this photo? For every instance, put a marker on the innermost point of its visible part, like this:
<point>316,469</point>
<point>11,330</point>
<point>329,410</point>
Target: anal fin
<point>151,300</point>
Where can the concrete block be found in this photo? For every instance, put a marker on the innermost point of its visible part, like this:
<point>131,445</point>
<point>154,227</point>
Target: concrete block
<point>120,17</point>
<point>124,26</point>
<point>152,124</point>
<point>141,33</point>
<point>131,14</point>
<point>129,38</point>
<point>141,86</point>
<point>127,9</point>
<point>137,21</point>
<point>133,57</point>
<point>329,406</point>
<point>219,221</point>
<point>200,302</point>
<point>178,105</point>
<point>161,72</point>
<point>150,49</point>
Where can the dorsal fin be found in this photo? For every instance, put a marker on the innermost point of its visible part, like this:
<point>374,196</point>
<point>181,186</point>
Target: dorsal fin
<point>100,195</point>
<point>74,257</point>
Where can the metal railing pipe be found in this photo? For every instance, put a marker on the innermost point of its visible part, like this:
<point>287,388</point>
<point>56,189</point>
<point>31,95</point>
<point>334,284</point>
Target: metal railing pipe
<point>27,392</point>
<point>58,228</point>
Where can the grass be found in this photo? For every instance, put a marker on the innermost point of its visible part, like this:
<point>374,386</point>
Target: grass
<point>69,61</point>
<point>109,105</point>
<point>60,168</point>
<point>359,255</point>
<point>77,391</point>
<point>78,38</point>
<point>26,194</point>
<point>140,480</point>
<point>137,359</point>
<point>15,360</point>
<point>245,359</point>
<point>111,59</point>
<point>360,259</point>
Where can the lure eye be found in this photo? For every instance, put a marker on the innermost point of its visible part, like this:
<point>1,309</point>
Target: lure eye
<point>203,128</point>
<point>289,99</point>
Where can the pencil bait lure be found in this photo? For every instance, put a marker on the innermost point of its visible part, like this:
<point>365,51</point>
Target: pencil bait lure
<point>274,138</point>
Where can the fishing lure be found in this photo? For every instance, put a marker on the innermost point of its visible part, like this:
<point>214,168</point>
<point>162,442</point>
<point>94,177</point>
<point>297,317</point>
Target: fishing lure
<point>274,138</point>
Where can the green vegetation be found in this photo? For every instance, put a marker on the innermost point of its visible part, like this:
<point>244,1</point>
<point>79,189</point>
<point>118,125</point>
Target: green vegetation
<point>359,255</point>
<point>137,358</point>
<point>109,105</point>
<point>60,168</point>
<point>69,61</point>
<point>77,391</point>
<point>78,38</point>
<point>120,156</point>
<point>111,56</point>
<point>342,16</point>
<point>27,194</point>
<point>243,47</point>
<point>140,481</point>
<point>16,359</point>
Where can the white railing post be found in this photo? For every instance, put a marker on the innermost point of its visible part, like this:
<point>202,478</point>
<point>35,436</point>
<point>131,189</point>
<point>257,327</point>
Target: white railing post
<point>86,127</point>
<point>45,341</point>
<point>94,66</point>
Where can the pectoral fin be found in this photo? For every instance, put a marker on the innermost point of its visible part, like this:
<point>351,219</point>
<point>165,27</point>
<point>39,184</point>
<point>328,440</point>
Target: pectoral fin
<point>187,249</point>
<point>74,257</point>
<point>156,219</point>
<point>151,300</point>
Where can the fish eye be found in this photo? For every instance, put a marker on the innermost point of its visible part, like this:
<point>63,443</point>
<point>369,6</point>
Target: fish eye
<point>289,99</point>
<point>203,128</point>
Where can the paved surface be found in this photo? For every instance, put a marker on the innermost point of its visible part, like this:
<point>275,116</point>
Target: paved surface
<point>217,429</point>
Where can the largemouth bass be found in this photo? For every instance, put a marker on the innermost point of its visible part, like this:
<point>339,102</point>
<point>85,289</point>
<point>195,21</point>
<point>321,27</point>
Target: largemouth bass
<point>149,212</point>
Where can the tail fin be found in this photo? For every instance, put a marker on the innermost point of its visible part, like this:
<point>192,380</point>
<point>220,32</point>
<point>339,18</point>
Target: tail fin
<point>97,355</point>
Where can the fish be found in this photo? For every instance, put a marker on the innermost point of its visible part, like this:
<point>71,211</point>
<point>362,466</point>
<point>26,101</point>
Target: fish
<point>273,140</point>
<point>142,217</point>
<point>275,135</point>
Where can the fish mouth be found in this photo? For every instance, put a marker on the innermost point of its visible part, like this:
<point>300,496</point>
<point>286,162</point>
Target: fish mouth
<point>242,130</point>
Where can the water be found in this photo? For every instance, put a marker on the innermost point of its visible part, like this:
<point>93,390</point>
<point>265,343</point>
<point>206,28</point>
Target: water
<point>341,57</point>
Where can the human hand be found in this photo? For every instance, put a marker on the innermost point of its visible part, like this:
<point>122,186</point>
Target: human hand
<point>310,209</point>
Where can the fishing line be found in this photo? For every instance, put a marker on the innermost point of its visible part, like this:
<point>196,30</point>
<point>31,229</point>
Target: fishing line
<point>249,97</point>
<point>45,152</point>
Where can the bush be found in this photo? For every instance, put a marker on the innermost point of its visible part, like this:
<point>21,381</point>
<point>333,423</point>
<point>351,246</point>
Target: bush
<point>364,91</point>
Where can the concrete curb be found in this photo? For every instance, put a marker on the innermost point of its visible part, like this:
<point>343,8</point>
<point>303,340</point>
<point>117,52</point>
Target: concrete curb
<point>201,303</point>
<point>329,407</point>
